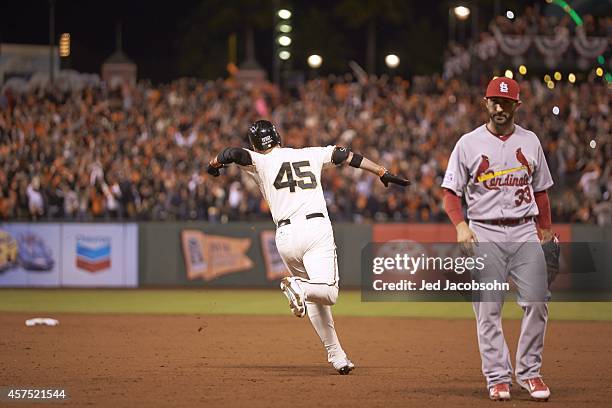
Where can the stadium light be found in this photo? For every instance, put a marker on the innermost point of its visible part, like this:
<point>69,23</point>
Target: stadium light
<point>284,40</point>
<point>558,76</point>
<point>284,14</point>
<point>281,41</point>
<point>510,14</point>
<point>285,28</point>
<point>64,45</point>
<point>599,71</point>
<point>508,74</point>
<point>461,12</point>
<point>571,77</point>
<point>593,144</point>
<point>315,61</point>
<point>522,70</point>
<point>550,85</point>
<point>392,61</point>
<point>547,78</point>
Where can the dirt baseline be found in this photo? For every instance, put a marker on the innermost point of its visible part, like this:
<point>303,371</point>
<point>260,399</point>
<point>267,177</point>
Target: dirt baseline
<point>235,361</point>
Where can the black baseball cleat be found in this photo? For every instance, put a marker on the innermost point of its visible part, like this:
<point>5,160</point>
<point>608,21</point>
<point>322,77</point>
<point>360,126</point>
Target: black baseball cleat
<point>344,370</point>
<point>344,366</point>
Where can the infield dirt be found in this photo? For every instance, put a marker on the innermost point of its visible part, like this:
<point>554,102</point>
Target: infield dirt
<point>273,361</point>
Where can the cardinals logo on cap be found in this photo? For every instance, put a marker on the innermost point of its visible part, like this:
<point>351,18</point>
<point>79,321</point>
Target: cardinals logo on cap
<point>502,87</point>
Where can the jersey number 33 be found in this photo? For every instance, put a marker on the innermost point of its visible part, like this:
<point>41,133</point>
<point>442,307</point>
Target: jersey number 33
<point>301,174</point>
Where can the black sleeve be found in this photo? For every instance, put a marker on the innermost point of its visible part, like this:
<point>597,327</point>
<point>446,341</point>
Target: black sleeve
<point>235,155</point>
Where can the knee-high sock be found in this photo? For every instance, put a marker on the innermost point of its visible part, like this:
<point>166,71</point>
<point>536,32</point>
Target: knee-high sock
<point>323,323</point>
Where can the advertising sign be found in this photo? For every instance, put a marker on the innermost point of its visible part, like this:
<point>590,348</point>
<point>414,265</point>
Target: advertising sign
<point>84,255</point>
<point>210,256</point>
<point>30,256</point>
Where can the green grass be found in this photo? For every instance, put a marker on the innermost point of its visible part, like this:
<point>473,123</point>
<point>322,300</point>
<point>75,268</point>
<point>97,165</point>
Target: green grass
<point>254,302</point>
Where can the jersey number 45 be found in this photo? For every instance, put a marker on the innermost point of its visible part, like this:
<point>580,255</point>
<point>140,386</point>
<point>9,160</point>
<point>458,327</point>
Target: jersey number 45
<point>300,176</point>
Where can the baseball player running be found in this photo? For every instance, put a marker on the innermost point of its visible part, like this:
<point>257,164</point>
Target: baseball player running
<point>501,170</point>
<point>290,181</point>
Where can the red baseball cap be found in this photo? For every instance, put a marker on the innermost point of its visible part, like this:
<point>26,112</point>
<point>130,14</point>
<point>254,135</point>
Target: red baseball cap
<point>502,87</point>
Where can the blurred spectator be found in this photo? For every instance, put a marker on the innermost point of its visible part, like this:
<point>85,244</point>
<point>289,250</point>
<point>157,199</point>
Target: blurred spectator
<point>589,183</point>
<point>35,199</point>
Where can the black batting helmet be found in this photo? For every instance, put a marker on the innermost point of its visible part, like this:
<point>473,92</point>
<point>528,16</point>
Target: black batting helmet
<point>263,135</point>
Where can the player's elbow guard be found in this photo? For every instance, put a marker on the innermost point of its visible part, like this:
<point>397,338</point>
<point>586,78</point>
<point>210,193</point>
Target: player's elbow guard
<point>235,155</point>
<point>341,154</point>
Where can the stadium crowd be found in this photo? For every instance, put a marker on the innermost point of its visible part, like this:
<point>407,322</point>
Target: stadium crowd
<point>141,152</point>
<point>531,21</point>
<point>530,38</point>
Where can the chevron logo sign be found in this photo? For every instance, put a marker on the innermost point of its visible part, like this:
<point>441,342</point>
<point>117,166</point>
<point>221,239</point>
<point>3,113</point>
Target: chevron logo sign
<point>93,254</point>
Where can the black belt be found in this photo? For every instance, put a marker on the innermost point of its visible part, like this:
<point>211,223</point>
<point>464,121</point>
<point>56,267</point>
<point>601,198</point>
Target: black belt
<point>308,216</point>
<point>506,221</point>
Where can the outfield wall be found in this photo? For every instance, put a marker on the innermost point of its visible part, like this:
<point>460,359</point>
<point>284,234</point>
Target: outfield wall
<point>236,254</point>
<point>191,254</point>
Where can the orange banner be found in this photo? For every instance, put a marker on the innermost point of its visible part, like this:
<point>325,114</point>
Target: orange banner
<point>275,268</point>
<point>210,256</point>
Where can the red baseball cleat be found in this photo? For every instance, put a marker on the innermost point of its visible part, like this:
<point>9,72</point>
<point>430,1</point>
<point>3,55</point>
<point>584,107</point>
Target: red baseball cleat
<point>500,392</point>
<point>536,387</point>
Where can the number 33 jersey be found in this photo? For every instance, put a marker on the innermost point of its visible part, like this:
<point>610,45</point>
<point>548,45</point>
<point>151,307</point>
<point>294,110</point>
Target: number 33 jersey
<point>498,177</point>
<point>290,180</point>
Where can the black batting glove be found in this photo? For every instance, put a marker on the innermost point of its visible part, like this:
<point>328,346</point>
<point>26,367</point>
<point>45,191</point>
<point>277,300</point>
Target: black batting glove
<point>213,170</point>
<point>392,178</point>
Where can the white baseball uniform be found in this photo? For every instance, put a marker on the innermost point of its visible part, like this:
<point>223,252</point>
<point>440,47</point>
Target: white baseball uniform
<point>498,177</point>
<point>290,181</point>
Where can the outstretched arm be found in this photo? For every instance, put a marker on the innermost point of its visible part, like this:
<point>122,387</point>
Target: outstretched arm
<point>229,155</point>
<point>343,155</point>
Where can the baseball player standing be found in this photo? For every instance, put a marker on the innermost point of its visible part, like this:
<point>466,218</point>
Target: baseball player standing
<point>501,170</point>
<point>290,181</point>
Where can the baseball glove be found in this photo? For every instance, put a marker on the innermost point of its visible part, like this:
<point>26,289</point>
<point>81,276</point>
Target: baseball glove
<point>552,252</point>
<point>392,178</point>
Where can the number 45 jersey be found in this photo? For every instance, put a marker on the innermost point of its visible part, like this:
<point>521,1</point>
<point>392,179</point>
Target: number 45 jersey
<point>498,175</point>
<point>290,180</point>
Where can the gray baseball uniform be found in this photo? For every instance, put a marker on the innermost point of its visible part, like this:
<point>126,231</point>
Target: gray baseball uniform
<point>498,177</point>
